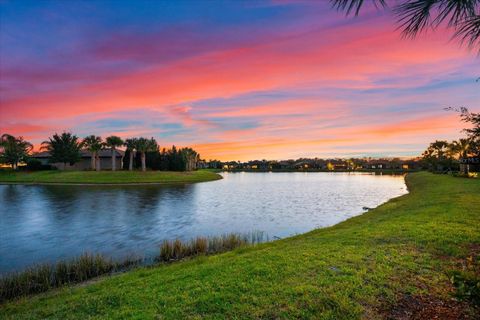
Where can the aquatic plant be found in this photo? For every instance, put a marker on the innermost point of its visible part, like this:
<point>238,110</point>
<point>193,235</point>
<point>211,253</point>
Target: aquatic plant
<point>173,250</point>
<point>43,277</point>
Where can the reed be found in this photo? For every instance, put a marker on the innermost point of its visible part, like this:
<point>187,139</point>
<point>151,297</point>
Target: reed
<point>173,250</point>
<point>43,277</point>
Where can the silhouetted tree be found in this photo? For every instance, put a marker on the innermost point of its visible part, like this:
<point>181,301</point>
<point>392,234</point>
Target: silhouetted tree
<point>64,148</point>
<point>130,144</point>
<point>93,144</point>
<point>460,148</point>
<point>438,156</point>
<point>143,146</point>
<point>113,142</point>
<point>14,150</point>
<point>189,159</point>
<point>472,118</point>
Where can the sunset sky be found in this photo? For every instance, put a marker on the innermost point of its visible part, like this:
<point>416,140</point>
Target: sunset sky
<point>236,80</point>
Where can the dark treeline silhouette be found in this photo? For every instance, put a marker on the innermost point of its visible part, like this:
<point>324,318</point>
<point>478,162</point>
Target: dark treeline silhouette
<point>462,154</point>
<point>174,159</point>
<point>66,148</point>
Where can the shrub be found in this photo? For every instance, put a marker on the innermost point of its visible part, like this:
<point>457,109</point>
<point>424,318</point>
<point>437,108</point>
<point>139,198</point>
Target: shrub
<point>36,165</point>
<point>467,280</point>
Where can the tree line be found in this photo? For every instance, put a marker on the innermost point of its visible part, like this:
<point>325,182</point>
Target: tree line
<point>66,148</point>
<point>442,155</point>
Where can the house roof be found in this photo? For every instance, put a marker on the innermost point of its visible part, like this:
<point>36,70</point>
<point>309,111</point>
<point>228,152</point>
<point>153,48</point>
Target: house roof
<point>105,153</point>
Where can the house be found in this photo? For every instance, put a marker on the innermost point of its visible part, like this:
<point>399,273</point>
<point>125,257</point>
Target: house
<point>231,165</point>
<point>336,165</point>
<point>85,162</point>
<point>258,165</point>
<point>378,164</point>
<point>284,165</point>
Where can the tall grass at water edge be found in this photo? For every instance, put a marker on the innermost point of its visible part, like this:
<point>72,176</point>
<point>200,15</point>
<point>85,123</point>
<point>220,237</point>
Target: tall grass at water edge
<point>43,277</point>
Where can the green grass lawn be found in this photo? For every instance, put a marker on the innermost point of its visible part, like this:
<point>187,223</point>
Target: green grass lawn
<point>361,268</point>
<point>107,177</point>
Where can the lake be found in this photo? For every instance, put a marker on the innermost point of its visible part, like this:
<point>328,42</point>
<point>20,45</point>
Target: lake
<point>47,223</point>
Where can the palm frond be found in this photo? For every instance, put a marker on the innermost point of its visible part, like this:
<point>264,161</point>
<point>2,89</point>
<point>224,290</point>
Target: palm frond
<point>414,16</point>
<point>468,32</point>
<point>455,11</point>
<point>350,6</point>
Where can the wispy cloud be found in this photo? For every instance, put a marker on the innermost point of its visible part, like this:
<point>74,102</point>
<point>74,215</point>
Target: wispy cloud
<point>239,80</point>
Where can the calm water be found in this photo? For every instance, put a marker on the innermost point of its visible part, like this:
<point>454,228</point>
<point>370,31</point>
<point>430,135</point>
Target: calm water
<point>46,223</point>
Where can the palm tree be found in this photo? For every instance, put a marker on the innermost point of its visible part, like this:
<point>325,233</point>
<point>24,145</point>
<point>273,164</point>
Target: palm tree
<point>113,142</point>
<point>93,144</point>
<point>131,148</point>
<point>64,148</point>
<point>415,16</point>
<point>14,149</point>
<point>190,158</point>
<point>143,146</point>
<point>461,148</point>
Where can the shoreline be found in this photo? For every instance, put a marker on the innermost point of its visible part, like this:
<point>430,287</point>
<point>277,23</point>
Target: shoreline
<point>387,252</point>
<point>106,178</point>
<point>104,184</point>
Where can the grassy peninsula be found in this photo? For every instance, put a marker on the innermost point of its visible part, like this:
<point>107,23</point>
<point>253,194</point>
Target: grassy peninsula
<point>106,177</point>
<point>394,259</point>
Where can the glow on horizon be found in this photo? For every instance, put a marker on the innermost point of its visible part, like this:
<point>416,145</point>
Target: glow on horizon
<point>236,81</point>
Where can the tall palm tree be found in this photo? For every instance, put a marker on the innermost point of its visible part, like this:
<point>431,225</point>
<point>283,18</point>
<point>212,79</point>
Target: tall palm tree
<point>113,142</point>
<point>143,146</point>
<point>93,144</point>
<point>64,148</point>
<point>14,149</point>
<point>190,158</point>
<point>131,148</point>
<point>415,16</point>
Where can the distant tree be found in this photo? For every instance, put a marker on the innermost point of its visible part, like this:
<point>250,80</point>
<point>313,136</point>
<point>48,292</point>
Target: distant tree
<point>189,158</point>
<point>460,148</point>
<point>469,117</point>
<point>14,150</point>
<point>175,161</point>
<point>143,146</point>
<point>113,142</point>
<point>94,144</point>
<point>438,156</point>
<point>131,149</point>
<point>163,160</point>
<point>64,148</point>
<point>415,16</point>
<point>475,147</point>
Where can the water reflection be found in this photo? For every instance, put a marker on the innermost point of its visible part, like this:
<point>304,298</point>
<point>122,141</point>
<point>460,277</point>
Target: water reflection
<point>46,223</point>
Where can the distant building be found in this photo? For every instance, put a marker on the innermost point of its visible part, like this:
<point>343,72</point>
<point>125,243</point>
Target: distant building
<point>85,162</point>
<point>470,164</point>
<point>202,164</point>
<point>230,165</point>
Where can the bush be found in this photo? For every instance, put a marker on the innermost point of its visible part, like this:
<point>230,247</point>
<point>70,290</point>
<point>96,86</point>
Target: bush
<point>467,281</point>
<point>36,165</point>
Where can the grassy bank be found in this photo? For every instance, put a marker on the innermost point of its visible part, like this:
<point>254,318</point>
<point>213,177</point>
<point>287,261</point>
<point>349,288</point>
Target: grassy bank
<point>394,259</point>
<point>106,177</point>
